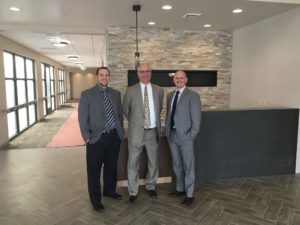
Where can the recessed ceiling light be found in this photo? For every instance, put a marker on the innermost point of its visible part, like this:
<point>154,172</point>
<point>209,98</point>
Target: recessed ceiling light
<point>207,25</point>
<point>151,23</point>
<point>60,44</point>
<point>166,7</point>
<point>15,9</point>
<point>237,10</point>
<point>73,57</point>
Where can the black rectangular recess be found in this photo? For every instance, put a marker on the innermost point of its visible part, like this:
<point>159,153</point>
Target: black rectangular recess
<point>196,78</point>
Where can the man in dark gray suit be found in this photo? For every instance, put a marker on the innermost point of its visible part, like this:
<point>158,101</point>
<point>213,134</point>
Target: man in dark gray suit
<point>142,106</point>
<point>100,118</point>
<point>182,126</point>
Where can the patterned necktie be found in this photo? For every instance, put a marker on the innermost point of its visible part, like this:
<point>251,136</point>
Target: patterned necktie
<point>146,110</point>
<point>109,110</point>
<point>174,109</point>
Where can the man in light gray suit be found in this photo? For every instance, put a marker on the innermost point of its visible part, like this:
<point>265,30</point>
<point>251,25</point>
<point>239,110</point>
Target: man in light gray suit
<point>100,118</point>
<point>142,105</point>
<point>182,126</point>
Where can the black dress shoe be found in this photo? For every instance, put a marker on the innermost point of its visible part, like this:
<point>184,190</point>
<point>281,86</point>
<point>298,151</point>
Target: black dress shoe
<point>131,199</point>
<point>152,194</point>
<point>177,193</point>
<point>99,207</point>
<point>114,196</point>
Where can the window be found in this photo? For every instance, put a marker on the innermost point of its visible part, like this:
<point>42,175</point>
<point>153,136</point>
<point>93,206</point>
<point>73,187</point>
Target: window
<point>48,83</point>
<point>61,86</point>
<point>20,92</point>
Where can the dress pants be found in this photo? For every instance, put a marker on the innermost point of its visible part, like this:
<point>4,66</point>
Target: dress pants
<point>150,141</point>
<point>104,151</point>
<point>183,161</point>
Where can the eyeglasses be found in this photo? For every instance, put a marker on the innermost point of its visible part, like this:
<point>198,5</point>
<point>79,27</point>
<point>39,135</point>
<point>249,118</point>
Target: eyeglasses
<point>145,71</point>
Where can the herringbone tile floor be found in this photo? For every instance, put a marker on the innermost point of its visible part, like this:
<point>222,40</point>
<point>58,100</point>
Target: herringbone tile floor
<point>48,186</point>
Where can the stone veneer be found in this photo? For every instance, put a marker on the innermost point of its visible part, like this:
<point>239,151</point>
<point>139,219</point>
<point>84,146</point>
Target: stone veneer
<point>174,49</point>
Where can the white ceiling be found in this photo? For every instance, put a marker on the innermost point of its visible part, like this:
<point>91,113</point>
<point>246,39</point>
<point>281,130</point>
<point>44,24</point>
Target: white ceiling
<point>84,22</point>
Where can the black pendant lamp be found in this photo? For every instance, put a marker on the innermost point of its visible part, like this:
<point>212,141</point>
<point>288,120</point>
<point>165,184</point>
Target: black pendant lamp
<point>136,9</point>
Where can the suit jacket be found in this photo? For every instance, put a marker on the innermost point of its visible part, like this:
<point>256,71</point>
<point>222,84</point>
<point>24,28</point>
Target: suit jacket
<point>91,113</point>
<point>134,111</point>
<point>187,115</point>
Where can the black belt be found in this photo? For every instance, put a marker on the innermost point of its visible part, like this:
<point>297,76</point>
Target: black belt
<point>173,128</point>
<point>109,131</point>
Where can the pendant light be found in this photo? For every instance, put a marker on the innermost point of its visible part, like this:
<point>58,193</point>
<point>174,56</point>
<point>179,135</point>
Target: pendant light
<point>136,9</point>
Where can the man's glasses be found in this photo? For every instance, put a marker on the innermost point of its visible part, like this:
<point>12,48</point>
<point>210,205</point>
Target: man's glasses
<point>145,71</point>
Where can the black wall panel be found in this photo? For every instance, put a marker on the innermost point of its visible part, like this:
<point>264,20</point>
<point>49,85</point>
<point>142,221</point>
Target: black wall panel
<point>196,78</point>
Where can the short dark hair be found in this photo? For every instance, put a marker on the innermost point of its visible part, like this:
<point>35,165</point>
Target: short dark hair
<point>102,68</point>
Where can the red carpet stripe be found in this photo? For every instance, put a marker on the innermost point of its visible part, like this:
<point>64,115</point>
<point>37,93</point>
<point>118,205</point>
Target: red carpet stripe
<point>69,134</point>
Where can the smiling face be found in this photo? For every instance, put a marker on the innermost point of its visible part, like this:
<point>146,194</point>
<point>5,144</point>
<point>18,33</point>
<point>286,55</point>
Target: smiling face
<point>144,73</point>
<point>180,79</point>
<point>103,77</point>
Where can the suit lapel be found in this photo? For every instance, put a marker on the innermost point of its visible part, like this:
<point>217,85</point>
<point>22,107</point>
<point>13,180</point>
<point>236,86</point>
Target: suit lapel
<point>99,100</point>
<point>155,99</point>
<point>184,93</point>
<point>140,97</point>
<point>170,97</point>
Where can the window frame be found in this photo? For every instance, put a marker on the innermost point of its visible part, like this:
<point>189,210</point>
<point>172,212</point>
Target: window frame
<point>17,107</point>
<point>61,84</point>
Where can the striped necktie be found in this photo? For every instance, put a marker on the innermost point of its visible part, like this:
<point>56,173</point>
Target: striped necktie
<point>109,110</point>
<point>146,110</point>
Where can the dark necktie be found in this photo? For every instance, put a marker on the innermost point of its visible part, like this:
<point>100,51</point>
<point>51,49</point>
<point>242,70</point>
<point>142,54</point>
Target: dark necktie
<point>174,109</point>
<point>109,110</point>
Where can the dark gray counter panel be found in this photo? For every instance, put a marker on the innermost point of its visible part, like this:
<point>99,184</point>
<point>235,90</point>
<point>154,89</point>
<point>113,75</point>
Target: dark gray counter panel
<point>235,143</point>
<point>244,143</point>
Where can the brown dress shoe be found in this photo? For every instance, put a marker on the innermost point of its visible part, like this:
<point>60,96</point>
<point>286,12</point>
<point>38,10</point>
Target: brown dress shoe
<point>177,193</point>
<point>187,201</point>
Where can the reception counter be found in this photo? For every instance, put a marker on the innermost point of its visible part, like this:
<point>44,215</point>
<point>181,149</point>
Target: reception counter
<point>234,143</point>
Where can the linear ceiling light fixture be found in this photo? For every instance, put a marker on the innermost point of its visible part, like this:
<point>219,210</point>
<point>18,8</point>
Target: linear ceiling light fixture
<point>136,8</point>
<point>191,15</point>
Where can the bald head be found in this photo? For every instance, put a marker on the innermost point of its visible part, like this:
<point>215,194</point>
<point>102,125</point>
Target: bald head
<point>180,79</point>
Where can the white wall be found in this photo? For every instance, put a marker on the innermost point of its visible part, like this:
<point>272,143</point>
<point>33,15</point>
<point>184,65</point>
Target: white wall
<point>266,63</point>
<point>81,80</point>
<point>266,60</point>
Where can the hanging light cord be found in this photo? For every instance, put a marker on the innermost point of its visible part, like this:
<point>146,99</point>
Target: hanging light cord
<point>136,8</point>
<point>137,54</point>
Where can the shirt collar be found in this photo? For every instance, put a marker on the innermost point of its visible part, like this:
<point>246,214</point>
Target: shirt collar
<point>100,88</point>
<point>180,89</point>
<point>144,85</point>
